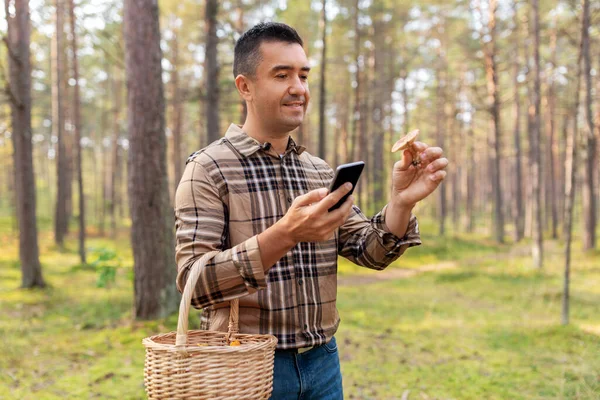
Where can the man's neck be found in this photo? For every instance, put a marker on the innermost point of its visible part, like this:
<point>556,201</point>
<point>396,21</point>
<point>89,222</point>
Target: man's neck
<point>278,140</point>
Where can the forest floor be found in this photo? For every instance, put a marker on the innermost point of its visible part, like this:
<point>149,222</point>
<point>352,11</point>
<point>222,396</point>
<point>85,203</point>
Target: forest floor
<point>456,318</point>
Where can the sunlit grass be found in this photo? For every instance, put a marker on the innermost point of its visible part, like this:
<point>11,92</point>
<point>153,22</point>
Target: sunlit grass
<point>489,328</point>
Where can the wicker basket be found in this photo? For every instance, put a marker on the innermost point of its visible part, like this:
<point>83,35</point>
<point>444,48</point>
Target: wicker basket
<point>201,364</point>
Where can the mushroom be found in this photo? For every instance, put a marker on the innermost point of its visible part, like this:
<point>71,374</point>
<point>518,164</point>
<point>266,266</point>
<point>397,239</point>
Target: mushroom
<point>407,142</point>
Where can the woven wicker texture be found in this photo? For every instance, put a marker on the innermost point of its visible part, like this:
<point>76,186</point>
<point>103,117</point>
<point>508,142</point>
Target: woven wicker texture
<point>201,364</point>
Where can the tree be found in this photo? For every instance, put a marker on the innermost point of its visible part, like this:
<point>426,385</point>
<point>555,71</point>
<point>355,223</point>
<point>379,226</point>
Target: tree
<point>77,125</point>
<point>322,92</point>
<point>537,249</point>
<point>211,70</point>
<point>495,134</point>
<point>151,215</point>
<point>589,153</point>
<point>19,90</point>
<point>570,173</point>
<point>61,219</point>
<point>518,214</point>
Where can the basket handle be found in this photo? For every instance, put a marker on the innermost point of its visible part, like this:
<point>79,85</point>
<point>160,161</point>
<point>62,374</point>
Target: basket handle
<point>186,301</point>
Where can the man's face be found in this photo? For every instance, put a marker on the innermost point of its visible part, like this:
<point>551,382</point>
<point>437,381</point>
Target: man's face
<point>280,93</point>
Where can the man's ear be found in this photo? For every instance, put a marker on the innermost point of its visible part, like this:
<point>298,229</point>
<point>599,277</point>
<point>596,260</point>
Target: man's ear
<point>244,87</point>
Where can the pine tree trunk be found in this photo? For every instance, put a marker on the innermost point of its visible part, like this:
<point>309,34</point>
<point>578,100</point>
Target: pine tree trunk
<point>518,214</point>
<point>570,177</point>
<point>58,124</point>
<point>115,159</point>
<point>213,130</point>
<point>537,249</point>
<point>322,92</point>
<point>19,89</point>
<point>495,133</point>
<point>152,217</point>
<point>589,153</point>
<point>77,125</point>
<point>552,146</point>
<point>379,97</point>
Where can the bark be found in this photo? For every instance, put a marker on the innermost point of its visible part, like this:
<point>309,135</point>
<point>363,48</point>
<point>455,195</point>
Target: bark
<point>537,248</point>
<point>77,125</point>
<point>357,77</point>
<point>211,69</point>
<point>570,174</point>
<point>58,124</point>
<point>495,133</point>
<point>589,153</point>
<point>518,213</point>
<point>377,114</point>
<point>552,146</point>
<point>115,159</point>
<point>19,84</point>
<point>322,85</point>
<point>177,109</point>
<point>151,215</point>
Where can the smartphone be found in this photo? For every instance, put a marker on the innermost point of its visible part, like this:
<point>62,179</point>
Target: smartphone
<point>346,173</point>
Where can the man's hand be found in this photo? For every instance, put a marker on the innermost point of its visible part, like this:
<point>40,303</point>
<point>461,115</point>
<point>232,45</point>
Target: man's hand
<point>412,183</point>
<point>308,219</point>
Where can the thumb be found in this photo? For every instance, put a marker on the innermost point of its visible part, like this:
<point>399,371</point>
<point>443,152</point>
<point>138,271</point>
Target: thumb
<point>311,197</point>
<point>406,160</point>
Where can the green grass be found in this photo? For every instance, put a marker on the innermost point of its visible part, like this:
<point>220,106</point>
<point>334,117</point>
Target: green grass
<point>487,329</point>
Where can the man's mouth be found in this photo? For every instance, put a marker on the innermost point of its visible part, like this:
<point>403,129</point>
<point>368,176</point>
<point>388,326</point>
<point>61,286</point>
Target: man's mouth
<point>295,104</point>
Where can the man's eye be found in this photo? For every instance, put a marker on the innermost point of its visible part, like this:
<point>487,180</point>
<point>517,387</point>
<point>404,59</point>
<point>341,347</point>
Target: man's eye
<point>282,76</point>
<point>304,77</point>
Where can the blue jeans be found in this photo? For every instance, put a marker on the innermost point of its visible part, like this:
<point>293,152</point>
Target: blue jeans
<point>313,375</point>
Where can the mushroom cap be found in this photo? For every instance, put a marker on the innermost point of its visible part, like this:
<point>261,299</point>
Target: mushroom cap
<point>406,141</point>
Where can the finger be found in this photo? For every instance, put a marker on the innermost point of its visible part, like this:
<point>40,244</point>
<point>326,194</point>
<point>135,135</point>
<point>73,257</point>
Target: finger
<point>341,214</point>
<point>332,198</point>
<point>405,162</point>
<point>420,146</point>
<point>431,153</point>
<point>438,164</point>
<point>438,176</point>
<point>311,197</point>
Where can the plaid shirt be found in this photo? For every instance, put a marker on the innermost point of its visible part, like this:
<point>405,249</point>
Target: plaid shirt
<point>236,188</point>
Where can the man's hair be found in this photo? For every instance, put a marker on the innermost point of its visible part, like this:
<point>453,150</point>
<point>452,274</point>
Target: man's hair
<point>246,55</point>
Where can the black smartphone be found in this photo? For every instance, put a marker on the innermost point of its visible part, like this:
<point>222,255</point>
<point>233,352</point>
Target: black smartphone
<point>346,173</point>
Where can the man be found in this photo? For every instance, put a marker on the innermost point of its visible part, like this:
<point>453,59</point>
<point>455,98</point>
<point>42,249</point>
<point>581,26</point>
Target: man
<point>261,200</point>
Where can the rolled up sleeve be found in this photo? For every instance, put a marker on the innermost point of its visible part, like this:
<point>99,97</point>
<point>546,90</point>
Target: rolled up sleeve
<point>368,242</point>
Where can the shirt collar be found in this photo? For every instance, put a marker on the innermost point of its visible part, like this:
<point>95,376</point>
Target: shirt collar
<point>247,145</point>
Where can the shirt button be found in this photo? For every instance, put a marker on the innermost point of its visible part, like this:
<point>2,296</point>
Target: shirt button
<point>299,281</point>
<point>305,326</point>
<point>289,199</point>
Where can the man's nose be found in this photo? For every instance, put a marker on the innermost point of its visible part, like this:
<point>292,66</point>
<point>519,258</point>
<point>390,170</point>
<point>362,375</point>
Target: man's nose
<point>297,87</point>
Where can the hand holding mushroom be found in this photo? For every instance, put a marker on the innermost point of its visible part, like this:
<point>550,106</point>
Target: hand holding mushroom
<point>418,173</point>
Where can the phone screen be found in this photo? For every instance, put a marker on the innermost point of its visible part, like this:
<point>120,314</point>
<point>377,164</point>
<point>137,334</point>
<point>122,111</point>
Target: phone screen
<point>346,173</point>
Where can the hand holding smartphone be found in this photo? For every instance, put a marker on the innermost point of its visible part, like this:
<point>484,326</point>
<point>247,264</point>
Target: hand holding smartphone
<point>346,173</point>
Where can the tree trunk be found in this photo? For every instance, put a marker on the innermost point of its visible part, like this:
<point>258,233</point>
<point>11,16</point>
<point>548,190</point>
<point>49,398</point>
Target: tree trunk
<point>152,217</point>
<point>495,133</point>
<point>537,249</point>
<point>552,146</point>
<point>177,109</point>
<point>212,72</point>
<point>19,89</point>
<point>115,157</point>
<point>570,174</point>
<point>240,28</point>
<point>356,114</point>
<point>377,114</point>
<point>589,153</point>
<point>518,213</point>
<point>322,92</point>
<point>77,125</point>
<point>58,124</point>
<point>439,123</point>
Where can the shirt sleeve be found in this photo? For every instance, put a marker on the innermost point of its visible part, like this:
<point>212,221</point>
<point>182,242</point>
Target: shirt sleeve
<point>201,225</point>
<point>370,244</point>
